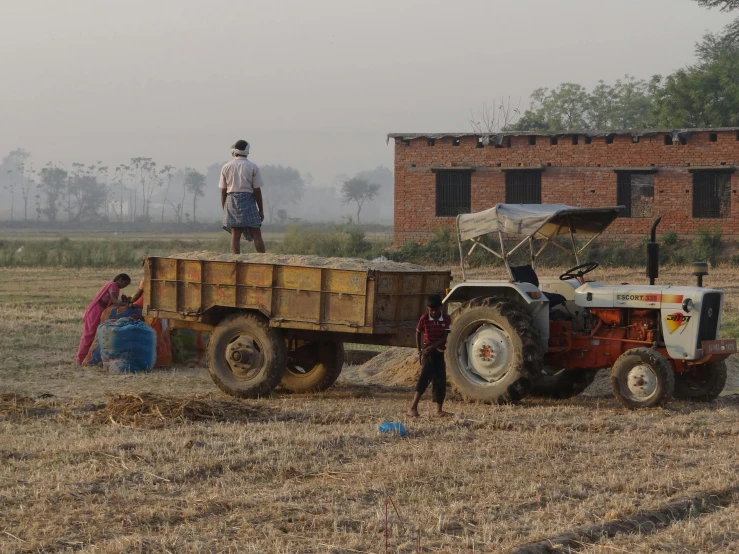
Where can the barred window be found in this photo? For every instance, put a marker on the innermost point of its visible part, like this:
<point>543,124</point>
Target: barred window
<point>523,187</point>
<point>711,194</point>
<point>453,193</point>
<point>636,192</point>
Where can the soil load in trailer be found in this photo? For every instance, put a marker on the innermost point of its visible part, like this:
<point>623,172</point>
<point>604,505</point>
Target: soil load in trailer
<point>283,319</point>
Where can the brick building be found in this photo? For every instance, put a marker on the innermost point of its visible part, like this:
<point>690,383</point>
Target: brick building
<point>687,176</point>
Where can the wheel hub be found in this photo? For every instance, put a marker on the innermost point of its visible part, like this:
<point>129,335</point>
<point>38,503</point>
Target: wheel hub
<point>244,357</point>
<point>489,353</point>
<point>641,381</point>
<point>241,356</point>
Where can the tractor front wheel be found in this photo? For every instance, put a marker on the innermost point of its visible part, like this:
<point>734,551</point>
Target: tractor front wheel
<point>702,383</point>
<point>642,378</point>
<point>492,353</point>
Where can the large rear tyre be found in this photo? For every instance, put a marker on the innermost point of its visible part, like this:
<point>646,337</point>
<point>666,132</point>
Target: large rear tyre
<point>492,354</point>
<point>702,383</point>
<point>642,378</point>
<point>313,367</point>
<point>246,357</point>
<point>563,385</point>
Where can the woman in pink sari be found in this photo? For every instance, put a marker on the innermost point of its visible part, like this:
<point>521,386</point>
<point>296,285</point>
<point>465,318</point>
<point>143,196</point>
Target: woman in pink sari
<point>108,296</point>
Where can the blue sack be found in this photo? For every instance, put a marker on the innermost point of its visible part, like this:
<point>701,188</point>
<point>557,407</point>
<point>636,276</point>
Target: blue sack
<point>114,312</point>
<point>127,345</point>
<point>392,427</point>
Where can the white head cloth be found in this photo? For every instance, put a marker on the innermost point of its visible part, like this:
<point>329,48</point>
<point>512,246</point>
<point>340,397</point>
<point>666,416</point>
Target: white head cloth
<point>244,152</point>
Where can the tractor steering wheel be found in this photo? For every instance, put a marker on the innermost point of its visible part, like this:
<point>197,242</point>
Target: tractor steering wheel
<point>582,270</point>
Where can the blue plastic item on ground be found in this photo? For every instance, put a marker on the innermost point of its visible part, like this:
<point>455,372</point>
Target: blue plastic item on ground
<point>127,345</point>
<point>392,427</point>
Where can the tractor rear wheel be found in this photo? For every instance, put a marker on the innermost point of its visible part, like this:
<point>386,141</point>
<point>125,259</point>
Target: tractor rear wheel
<point>702,383</point>
<point>642,378</point>
<point>313,367</point>
<point>246,357</point>
<point>564,385</point>
<point>492,353</point>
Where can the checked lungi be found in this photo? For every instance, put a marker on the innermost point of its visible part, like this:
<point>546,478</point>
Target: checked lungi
<point>241,212</point>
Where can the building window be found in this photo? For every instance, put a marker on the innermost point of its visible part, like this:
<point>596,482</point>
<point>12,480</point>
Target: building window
<point>711,194</point>
<point>453,193</point>
<point>523,187</point>
<point>636,192</point>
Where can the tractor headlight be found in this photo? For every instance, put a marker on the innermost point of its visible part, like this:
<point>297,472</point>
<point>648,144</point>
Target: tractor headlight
<point>687,305</point>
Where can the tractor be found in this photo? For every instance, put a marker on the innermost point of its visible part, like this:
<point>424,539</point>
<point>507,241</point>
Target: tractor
<point>525,336</point>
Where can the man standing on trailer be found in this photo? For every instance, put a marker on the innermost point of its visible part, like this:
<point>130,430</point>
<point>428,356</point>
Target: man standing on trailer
<point>241,198</point>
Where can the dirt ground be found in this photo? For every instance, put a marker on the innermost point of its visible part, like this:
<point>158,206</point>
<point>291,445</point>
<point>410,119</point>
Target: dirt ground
<point>175,466</point>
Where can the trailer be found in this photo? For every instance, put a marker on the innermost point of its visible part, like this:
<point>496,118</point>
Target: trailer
<point>278,323</point>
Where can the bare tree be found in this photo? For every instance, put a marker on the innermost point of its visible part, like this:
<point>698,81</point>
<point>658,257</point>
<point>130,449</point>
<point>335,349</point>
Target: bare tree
<point>10,187</point>
<point>119,179</point>
<point>27,184</point>
<point>178,208</point>
<point>143,173</point>
<point>14,172</point>
<point>102,177</point>
<point>359,191</point>
<point>495,117</point>
<point>195,183</point>
<point>166,173</point>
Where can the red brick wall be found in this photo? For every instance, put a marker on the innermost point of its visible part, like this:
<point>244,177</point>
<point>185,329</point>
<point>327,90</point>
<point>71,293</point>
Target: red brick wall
<point>577,174</point>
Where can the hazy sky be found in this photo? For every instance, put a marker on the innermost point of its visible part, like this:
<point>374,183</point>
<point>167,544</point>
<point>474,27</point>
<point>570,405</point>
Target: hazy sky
<point>316,85</point>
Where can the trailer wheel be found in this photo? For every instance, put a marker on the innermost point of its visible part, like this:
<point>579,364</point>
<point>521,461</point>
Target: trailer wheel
<point>702,383</point>
<point>642,378</point>
<point>563,385</point>
<point>492,354</point>
<point>313,367</point>
<point>246,358</point>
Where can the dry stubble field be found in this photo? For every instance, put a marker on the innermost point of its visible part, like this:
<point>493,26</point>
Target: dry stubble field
<point>311,473</point>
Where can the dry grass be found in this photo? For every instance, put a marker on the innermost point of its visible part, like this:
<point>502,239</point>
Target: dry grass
<point>165,463</point>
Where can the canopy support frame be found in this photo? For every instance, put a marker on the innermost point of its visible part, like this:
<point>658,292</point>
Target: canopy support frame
<point>565,226</point>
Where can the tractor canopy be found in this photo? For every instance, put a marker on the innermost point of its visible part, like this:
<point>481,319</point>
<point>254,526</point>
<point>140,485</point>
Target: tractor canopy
<point>531,222</point>
<point>538,221</point>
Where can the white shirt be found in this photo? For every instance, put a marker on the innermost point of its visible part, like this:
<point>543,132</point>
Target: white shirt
<point>240,175</point>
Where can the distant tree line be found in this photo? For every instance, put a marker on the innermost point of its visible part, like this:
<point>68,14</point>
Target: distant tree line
<point>705,94</point>
<point>127,193</point>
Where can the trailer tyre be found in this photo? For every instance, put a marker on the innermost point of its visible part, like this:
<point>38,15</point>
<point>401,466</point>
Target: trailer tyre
<point>564,385</point>
<point>246,357</point>
<point>701,384</point>
<point>492,353</point>
<point>313,367</point>
<point>642,378</point>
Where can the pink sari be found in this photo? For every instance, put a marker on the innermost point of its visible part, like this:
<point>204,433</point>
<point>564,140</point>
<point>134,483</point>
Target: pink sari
<point>91,319</point>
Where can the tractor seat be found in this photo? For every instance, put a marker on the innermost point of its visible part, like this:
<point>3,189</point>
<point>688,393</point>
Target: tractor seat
<point>526,274</point>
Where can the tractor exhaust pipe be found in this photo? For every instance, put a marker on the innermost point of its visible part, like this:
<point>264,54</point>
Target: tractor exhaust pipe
<point>653,253</point>
<point>700,270</point>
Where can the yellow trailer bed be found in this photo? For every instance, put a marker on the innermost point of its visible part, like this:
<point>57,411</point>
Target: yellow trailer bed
<point>311,310</point>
